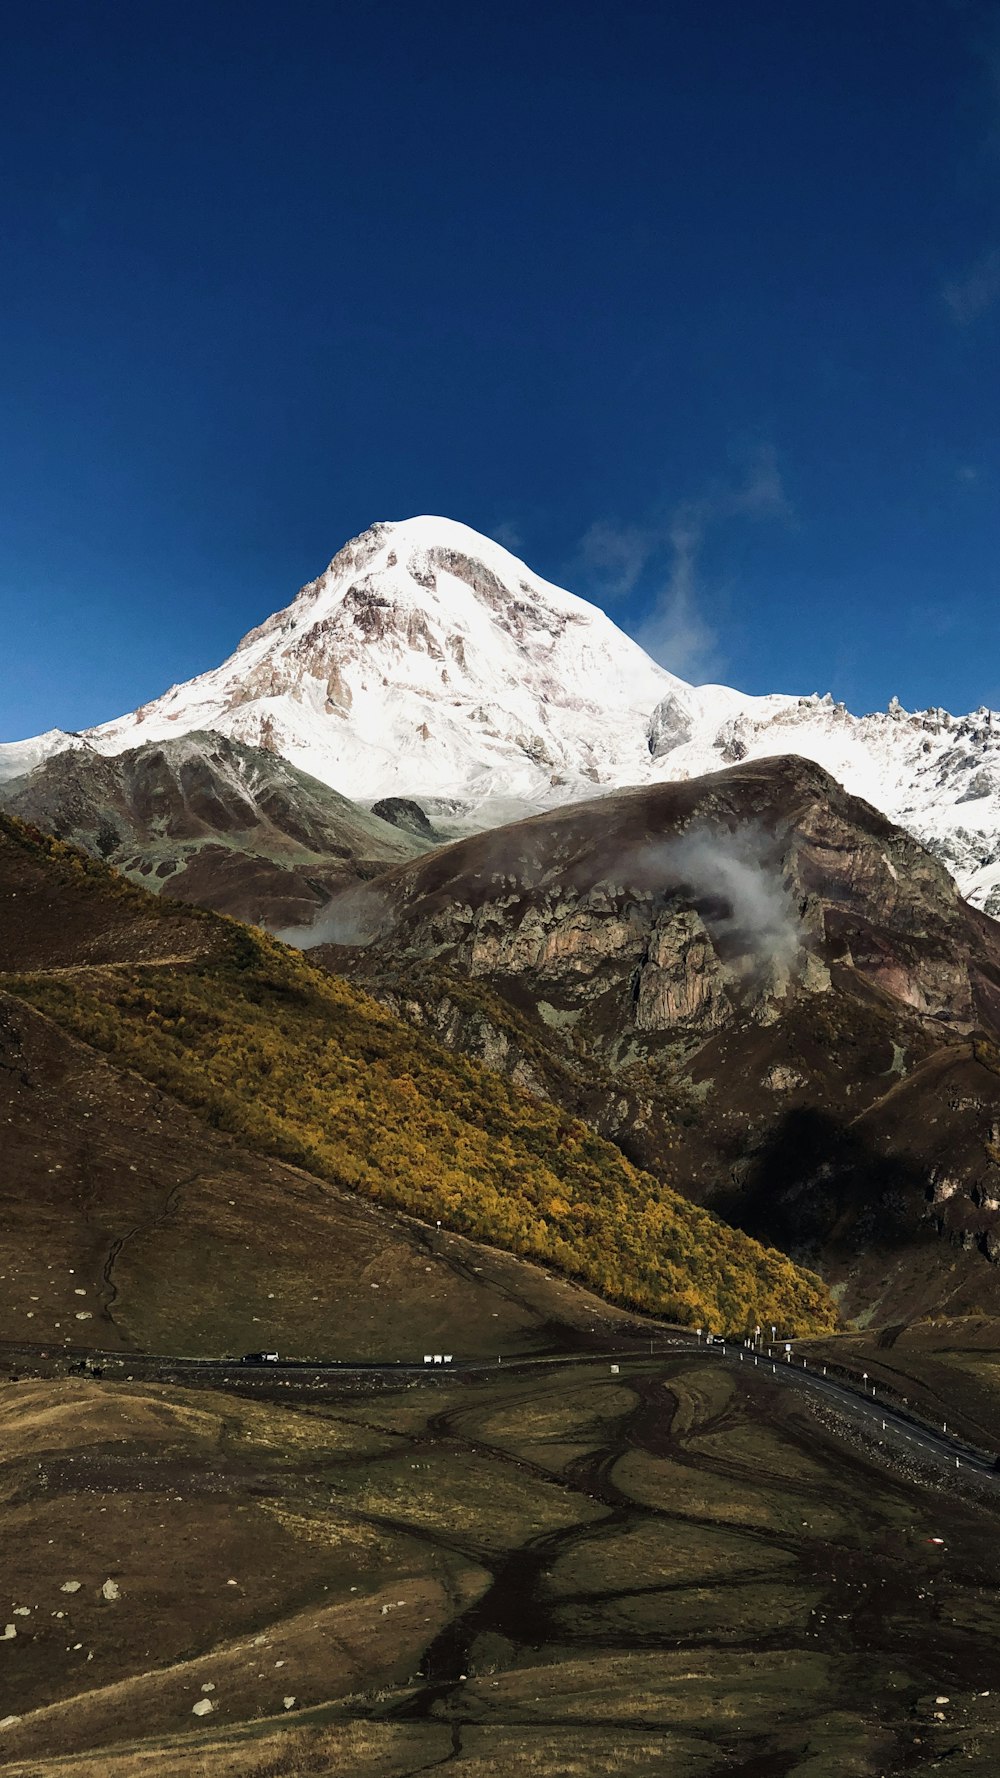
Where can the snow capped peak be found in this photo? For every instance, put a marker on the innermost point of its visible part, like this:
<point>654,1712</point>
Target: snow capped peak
<point>428,661</point>
<point>19,757</point>
<point>434,564</point>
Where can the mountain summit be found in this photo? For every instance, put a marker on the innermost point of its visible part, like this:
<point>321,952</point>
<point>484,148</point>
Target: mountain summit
<point>429,662</point>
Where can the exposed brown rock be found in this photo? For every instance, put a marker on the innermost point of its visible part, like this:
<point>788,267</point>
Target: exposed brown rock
<point>775,1046</point>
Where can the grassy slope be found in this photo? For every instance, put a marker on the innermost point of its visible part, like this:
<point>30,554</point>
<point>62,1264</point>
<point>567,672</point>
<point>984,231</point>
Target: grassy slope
<point>309,1069</point>
<point>746,1593</point>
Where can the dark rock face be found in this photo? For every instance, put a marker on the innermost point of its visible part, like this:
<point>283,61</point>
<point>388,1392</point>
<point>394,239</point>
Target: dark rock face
<point>756,985</point>
<point>211,821</point>
<point>670,726</point>
<point>401,812</point>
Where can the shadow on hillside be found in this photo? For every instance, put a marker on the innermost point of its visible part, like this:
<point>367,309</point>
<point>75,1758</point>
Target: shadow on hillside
<point>818,1186</point>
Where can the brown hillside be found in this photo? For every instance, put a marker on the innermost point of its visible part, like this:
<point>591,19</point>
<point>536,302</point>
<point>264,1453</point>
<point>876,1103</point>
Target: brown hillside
<point>213,822</point>
<point>303,1070</point>
<point>752,982</point>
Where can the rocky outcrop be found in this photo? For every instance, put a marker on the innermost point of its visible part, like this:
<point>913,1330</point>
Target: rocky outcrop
<point>403,812</point>
<point>670,726</point>
<point>682,983</point>
<point>754,979</point>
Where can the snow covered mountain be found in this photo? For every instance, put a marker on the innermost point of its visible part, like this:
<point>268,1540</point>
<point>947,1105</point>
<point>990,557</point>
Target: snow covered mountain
<point>431,663</point>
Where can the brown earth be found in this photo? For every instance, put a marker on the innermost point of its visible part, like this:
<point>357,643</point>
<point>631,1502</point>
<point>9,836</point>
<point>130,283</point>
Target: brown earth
<point>677,1569</point>
<point>127,1223</point>
<point>751,980</point>
<point>946,1370</point>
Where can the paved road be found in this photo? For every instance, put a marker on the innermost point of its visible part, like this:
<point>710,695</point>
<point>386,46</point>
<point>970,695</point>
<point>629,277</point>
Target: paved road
<point>891,1424</point>
<point>884,1423</point>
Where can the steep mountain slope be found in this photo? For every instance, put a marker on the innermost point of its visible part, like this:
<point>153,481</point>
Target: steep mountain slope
<point>753,979</point>
<point>212,821</point>
<point>128,1223</point>
<point>429,662</point>
<point>312,1073</point>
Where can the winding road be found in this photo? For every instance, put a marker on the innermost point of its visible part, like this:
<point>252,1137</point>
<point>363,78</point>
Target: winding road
<point>881,1422</point>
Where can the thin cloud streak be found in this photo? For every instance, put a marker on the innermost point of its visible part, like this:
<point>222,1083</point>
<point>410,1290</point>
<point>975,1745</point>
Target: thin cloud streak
<point>618,558</point>
<point>970,296</point>
<point>675,632</point>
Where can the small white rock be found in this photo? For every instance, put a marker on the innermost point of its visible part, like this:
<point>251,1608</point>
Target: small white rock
<point>288,1702</point>
<point>203,1707</point>
<point>209,1685</point>
<point>9,1632</point>
<point>84,1315</point>
<point>111,1590</point>
<point>71,1586</point>
<point>22,1611</point>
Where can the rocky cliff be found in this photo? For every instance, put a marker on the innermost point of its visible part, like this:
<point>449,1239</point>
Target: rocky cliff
<point>752,972</point>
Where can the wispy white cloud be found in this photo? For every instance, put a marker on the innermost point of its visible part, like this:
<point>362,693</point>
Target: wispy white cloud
<point>976,290</point>
<point>509,534</point>
<point>615,557</point>
<point>619,560</point>
<point>759,495</point>
<point>675,630</point>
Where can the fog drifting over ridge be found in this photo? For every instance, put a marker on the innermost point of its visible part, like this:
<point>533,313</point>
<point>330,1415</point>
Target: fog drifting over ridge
<point>735,869</point>
<point>731,875</point>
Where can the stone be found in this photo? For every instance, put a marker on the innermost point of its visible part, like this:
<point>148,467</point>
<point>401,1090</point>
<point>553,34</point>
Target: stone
<point>288,1702</point>
<point>111,1590</point>
<point>204,1707</point>
<point>71,1586</point>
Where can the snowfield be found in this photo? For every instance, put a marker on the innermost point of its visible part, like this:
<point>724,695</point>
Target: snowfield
<point>427,661</point>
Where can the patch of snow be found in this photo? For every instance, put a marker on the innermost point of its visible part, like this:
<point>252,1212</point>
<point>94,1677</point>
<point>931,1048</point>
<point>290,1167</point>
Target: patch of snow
<point>18,757</point>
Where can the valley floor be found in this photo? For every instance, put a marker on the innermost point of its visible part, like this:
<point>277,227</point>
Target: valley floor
<point>678,1569</point>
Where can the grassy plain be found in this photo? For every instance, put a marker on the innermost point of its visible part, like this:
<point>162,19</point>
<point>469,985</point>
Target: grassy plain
<point>559,1571</point>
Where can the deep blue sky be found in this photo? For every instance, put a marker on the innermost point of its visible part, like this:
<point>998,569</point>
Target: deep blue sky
<point>697,302</point>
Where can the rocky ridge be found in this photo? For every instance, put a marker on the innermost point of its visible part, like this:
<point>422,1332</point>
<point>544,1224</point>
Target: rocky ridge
<point>210,820</point>
<point>751,978</point>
